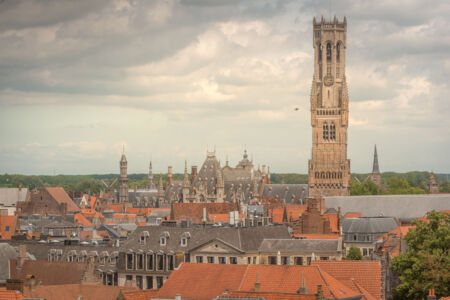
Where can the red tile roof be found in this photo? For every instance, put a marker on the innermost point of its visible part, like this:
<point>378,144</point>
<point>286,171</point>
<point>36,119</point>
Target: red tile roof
<point>194,211</point>
<point>60,195</point>
<point>140,295</point>
<point>202,281</point>
<point>80,219</point>
<point>271,295</point>
<point>224,218</point>
<point>7,227</point>
<point>72,291</point>
<point>331,236</point>
<point>114,207</point>
<point>333,218</point>
<point>366,273</point>
<point>391,241</point>
<point>206,281</point>
<point>352,215</point>
<point>10,295</point>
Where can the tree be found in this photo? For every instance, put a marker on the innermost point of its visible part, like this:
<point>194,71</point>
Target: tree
<point>398,186</point>
<point>367,187</point>
<point>354,254</point>
<point>426,263</point>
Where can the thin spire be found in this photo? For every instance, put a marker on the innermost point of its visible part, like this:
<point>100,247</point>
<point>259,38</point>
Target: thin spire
<point>376,167</point>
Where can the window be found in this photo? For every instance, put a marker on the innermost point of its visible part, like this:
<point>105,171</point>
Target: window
<point>337,71</point>
<point>328,52</point>
<point>285,260</point>
<point>254,260</point>
<point>272,260</point>
<point>324,258</point>
<point>370,251</point>
<point>298,260</point>
<point>150,262</point>
<point>170,262</point>
<point>210,259</point>
<point>320,52</point>
<point>199,259</point>
<point>140,261</point>
<point>340,97</point>
<point>6,228</point>
<point>70,258</point>
<point>222,260</point>
<point>332,131</point>
<point>364,251</point>
<point>187,257</point>
<point>354,237</point>
<point>308,260</point>
<point>129,261</point>
<point>338,52</point>
<point>149,280</point>
<point>159,282</point>
<point>162,241</point>
<point>129,277</point>
<point>325,131</point>
<point>160,262</point>
<point>139,282</point>
<point>249,260</point>
<point>233,260</point>
<point>184,242</point>
<point>142,240</point>
<point>328,73</point>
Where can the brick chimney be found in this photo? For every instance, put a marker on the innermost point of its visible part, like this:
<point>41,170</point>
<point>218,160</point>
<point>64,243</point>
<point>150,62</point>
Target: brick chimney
<point>431,295</point>
<point>22,255</point>
<point>63,210</point>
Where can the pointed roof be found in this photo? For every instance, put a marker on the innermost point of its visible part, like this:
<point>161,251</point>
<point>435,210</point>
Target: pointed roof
<point>376,168</point>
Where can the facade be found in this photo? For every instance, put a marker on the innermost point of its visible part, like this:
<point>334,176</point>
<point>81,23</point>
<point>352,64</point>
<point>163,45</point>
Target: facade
<point>375,177</point>
<point>49,200</point>
<point>329,168</point>
<point>10,197</point>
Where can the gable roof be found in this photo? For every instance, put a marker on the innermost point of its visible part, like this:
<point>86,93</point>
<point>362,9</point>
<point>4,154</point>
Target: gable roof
<point>60,196</point>
<point>50,272</point>
<point>10,196</point>
<point>366,273</point>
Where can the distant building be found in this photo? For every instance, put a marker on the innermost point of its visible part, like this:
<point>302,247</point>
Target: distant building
<point>10,197</point>
<point>49,200</point>
<point>123,180</point>
<point>433,185</point>
<point>375,177</point>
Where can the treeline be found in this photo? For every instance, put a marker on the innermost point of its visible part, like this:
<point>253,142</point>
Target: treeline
<point>392,183</point>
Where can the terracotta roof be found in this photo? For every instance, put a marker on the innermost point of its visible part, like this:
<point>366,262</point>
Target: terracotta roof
<point>80,219</point>
<point>277,214</point>
<point>351,283</point>
<point>123,216</point>
<point>224,218</point>
<point>206,281</point>
<point>333,218</point>
<point>91,213</point>
<point>60,196</point>
<point>351,215</point>
<point>391,240</point>
<point>10,295</point>
<point>72,291</point>
<point>51,272</point>
<point>272,295</point>
<point>202,281</point>
<point>194,211</point>
<point>366,273</point>
<point>274,278</point>
<point>140,295</point>
<point>93,200</point>
<point>294,210</point>
<point>7,227</point>
<point>331,236</point>
<point>114,207</point>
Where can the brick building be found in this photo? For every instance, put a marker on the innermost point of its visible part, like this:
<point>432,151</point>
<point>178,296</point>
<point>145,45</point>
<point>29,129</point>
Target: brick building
<point>49,200</point>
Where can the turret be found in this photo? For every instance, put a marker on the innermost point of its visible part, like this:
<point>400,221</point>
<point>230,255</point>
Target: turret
<point>186,183</point>
<point>123,180</point>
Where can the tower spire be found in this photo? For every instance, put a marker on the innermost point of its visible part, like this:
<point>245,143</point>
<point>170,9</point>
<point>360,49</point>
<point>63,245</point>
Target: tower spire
<point>376,167</point>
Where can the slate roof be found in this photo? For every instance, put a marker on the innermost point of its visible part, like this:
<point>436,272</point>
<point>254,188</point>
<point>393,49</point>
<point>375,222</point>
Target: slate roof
<point>60,195</point>
<point>377,225</point>
<point>405,207</point>
<point>7,252</point>
<point>296,245</point>
<point>287,192</point>
<point>10,196</point>
<point>367,273</point>
<point>245,239</point>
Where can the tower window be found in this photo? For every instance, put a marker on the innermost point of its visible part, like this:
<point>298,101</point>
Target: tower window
<point>332,131</point>
<point>338,52</point>
<point>328,52</point>
<point>337,71</point>
<point>325,131</point>
<point>328,69</point>
<point>340,98</point>
<point>320,52</point>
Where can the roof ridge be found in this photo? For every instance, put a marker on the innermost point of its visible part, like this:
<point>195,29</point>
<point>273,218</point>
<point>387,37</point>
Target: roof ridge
<point>328,286</point>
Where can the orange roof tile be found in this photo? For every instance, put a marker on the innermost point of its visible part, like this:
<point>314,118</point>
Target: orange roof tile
<point>114,207</point>
<point>277,214</point>
<point>93,200</point>
<point>10,295</point>
<point>400,230</point>
<point>352,215</point>
<point>122,216</point>
<point>141,223</point>
<point>331,236</point>
<point>7,227</point>
<point>140,295</point>
<point>333,218</point>
<point>60,195</point>
<point>271,295</point>
<point>294,211</point>
<point>367,273</point>
<point>224,218</point>
<point>194,211</point>
<point>80,219</point>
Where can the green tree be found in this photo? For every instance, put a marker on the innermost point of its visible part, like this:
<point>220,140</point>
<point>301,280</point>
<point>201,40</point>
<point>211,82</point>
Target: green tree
<point>426,263</point>
<point>444,187</point>
<point>365,188</point>
<point>354,254</point>
<point>398,186</point>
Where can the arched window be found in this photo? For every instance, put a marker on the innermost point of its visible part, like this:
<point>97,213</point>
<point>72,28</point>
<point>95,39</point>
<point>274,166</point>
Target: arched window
<point>320,52</point>
<point>328,52</point>
<point>325,131</point>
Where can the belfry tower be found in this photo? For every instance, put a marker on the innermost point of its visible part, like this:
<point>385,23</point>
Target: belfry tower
<point>329,168</point>
<point>123,180</point>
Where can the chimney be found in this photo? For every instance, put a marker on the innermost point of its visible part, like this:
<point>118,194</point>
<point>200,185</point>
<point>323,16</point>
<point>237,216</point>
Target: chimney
<point>169,176</point>
<point>193,173</point>
<point>302,290</point>
<point>319,292</point>
<point>204,215</point>
<point>431,295</point>
<point>22,255</point>
<point>257,284</point>
<point>278,258</point>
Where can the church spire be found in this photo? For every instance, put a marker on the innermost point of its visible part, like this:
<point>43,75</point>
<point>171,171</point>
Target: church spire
<point>376,168</point>
<point>186,176</point>
<point>150,184</point>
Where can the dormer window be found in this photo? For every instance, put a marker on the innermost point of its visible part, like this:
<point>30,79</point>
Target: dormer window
<point>162,240</point>
<point>183,241</point>
<point>144,237</point>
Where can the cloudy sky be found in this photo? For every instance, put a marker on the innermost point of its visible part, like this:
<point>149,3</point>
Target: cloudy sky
<point>170,79</point>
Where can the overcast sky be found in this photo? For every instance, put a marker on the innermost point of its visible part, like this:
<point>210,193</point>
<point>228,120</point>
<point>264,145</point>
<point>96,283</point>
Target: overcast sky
<point>171,79</point>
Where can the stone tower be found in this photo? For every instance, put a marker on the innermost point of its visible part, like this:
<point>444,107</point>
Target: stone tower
<point>329,168</point>
<point>150,184</point>
<point>123,180</point>
<point>375,177</point>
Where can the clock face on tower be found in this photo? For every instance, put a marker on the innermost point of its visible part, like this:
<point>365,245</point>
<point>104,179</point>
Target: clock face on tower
<point>328,80</point>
